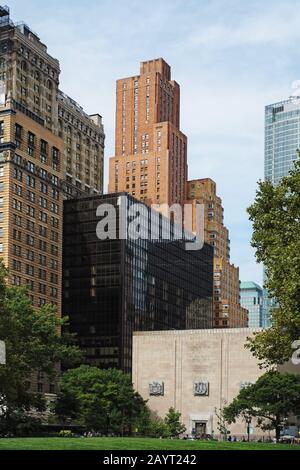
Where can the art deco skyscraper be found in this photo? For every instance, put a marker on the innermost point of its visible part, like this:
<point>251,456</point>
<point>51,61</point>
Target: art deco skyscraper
<point>29,76</point>
<point>228,312</point>
<point>49,150</point>
<point>150,159</point>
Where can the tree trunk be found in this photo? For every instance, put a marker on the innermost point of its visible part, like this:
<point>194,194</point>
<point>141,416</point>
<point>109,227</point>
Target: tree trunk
<point>278,429</point>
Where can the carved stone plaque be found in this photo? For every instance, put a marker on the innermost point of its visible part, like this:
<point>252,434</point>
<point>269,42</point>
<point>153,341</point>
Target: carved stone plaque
<point>201,389</point>
<point>157,389</point>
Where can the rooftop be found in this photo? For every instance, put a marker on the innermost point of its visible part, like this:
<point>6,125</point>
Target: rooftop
<point>249,285</point>
<point>204,332</point>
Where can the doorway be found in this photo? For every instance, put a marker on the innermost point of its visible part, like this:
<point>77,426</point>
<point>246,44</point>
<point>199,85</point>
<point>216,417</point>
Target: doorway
<point>200,429</point>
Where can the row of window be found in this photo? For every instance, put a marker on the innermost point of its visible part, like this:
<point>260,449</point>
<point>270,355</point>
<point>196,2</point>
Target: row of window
<point>31,167</point>
<point>32,147</point>
<point>43,202</point>
<point>67,116</point>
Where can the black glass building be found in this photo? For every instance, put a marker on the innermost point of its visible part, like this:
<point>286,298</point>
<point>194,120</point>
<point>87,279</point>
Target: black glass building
<point>113,287</point>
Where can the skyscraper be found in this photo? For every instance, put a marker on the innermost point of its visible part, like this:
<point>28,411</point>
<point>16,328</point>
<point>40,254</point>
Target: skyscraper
<point>282,136</point>
<point>228,312</point>
<point>113,287</point>
<point>29,76</point>
<point>282,139</point>
<point>150,161</point>
<point>35,129</point>
<point>253,300</point>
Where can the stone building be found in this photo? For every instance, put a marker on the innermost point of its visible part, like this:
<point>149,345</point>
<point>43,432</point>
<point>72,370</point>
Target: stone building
<point>197,372</point>
<point>29,76</point>
<point>39,167</point>
<point>83,136</point>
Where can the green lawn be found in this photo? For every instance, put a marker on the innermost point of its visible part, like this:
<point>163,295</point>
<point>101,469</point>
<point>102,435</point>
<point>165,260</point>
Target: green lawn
<point>131,444</point>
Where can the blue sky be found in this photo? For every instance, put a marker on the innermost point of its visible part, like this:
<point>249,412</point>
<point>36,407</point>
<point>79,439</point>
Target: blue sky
<point>231,58</point>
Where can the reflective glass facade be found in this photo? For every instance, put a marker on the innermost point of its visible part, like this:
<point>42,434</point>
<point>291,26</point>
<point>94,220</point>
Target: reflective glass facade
<point>115,287</point>
<point>282,139</point>
<point>252,299</point>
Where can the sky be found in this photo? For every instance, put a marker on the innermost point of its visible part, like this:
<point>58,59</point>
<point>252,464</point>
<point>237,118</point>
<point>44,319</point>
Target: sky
<point>231,58</point>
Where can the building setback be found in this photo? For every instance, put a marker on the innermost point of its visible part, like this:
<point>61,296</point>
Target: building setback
<point>29,75</point>
<point>150,161</point>
<point>114,287</point>
<point>228,312</point>
<point>84,138</point>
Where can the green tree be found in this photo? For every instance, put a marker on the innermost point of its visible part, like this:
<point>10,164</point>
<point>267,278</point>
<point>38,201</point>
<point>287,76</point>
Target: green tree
<point>173,423</point>
<point>103,400</point>
<point>275,215</point>
<point>33,344</point>
<point>270,400</point>
<point>222,423</point>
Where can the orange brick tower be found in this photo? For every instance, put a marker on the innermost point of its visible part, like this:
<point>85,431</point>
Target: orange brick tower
<point>150,159</point>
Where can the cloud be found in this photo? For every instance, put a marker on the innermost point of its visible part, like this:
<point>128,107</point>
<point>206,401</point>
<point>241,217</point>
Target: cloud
<point>278,26</point>
<point>230,57</point>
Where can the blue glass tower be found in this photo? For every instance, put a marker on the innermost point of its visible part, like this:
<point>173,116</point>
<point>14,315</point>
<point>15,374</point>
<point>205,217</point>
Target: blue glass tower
<point>282,140</point>
<point>252,299</point>
<point>282,137</point>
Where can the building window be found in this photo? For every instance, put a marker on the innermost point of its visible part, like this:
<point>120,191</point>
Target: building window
<point>31,143</point>
<point>17,174</point>
<point>16,280</point>
<point>29,255</point>
<point>29,270</point>
<point>17,205</point>
<point>55,158</point>
<point>42,260</point>
<point>42,288</point>
<point>44,151</point>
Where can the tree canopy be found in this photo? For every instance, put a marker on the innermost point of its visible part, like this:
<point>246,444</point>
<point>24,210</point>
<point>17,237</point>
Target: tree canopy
<point>33,344</point>
<point>270,400</point>
<point>275,215</point>
<point>103,400</point>
<point>173,423</point>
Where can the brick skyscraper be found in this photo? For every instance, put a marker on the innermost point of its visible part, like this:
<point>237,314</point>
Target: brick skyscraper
<point>150,159</point>
<point>228,311</point>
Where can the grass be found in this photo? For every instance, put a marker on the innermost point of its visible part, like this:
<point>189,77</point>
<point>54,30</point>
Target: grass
<point>131,444</point>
